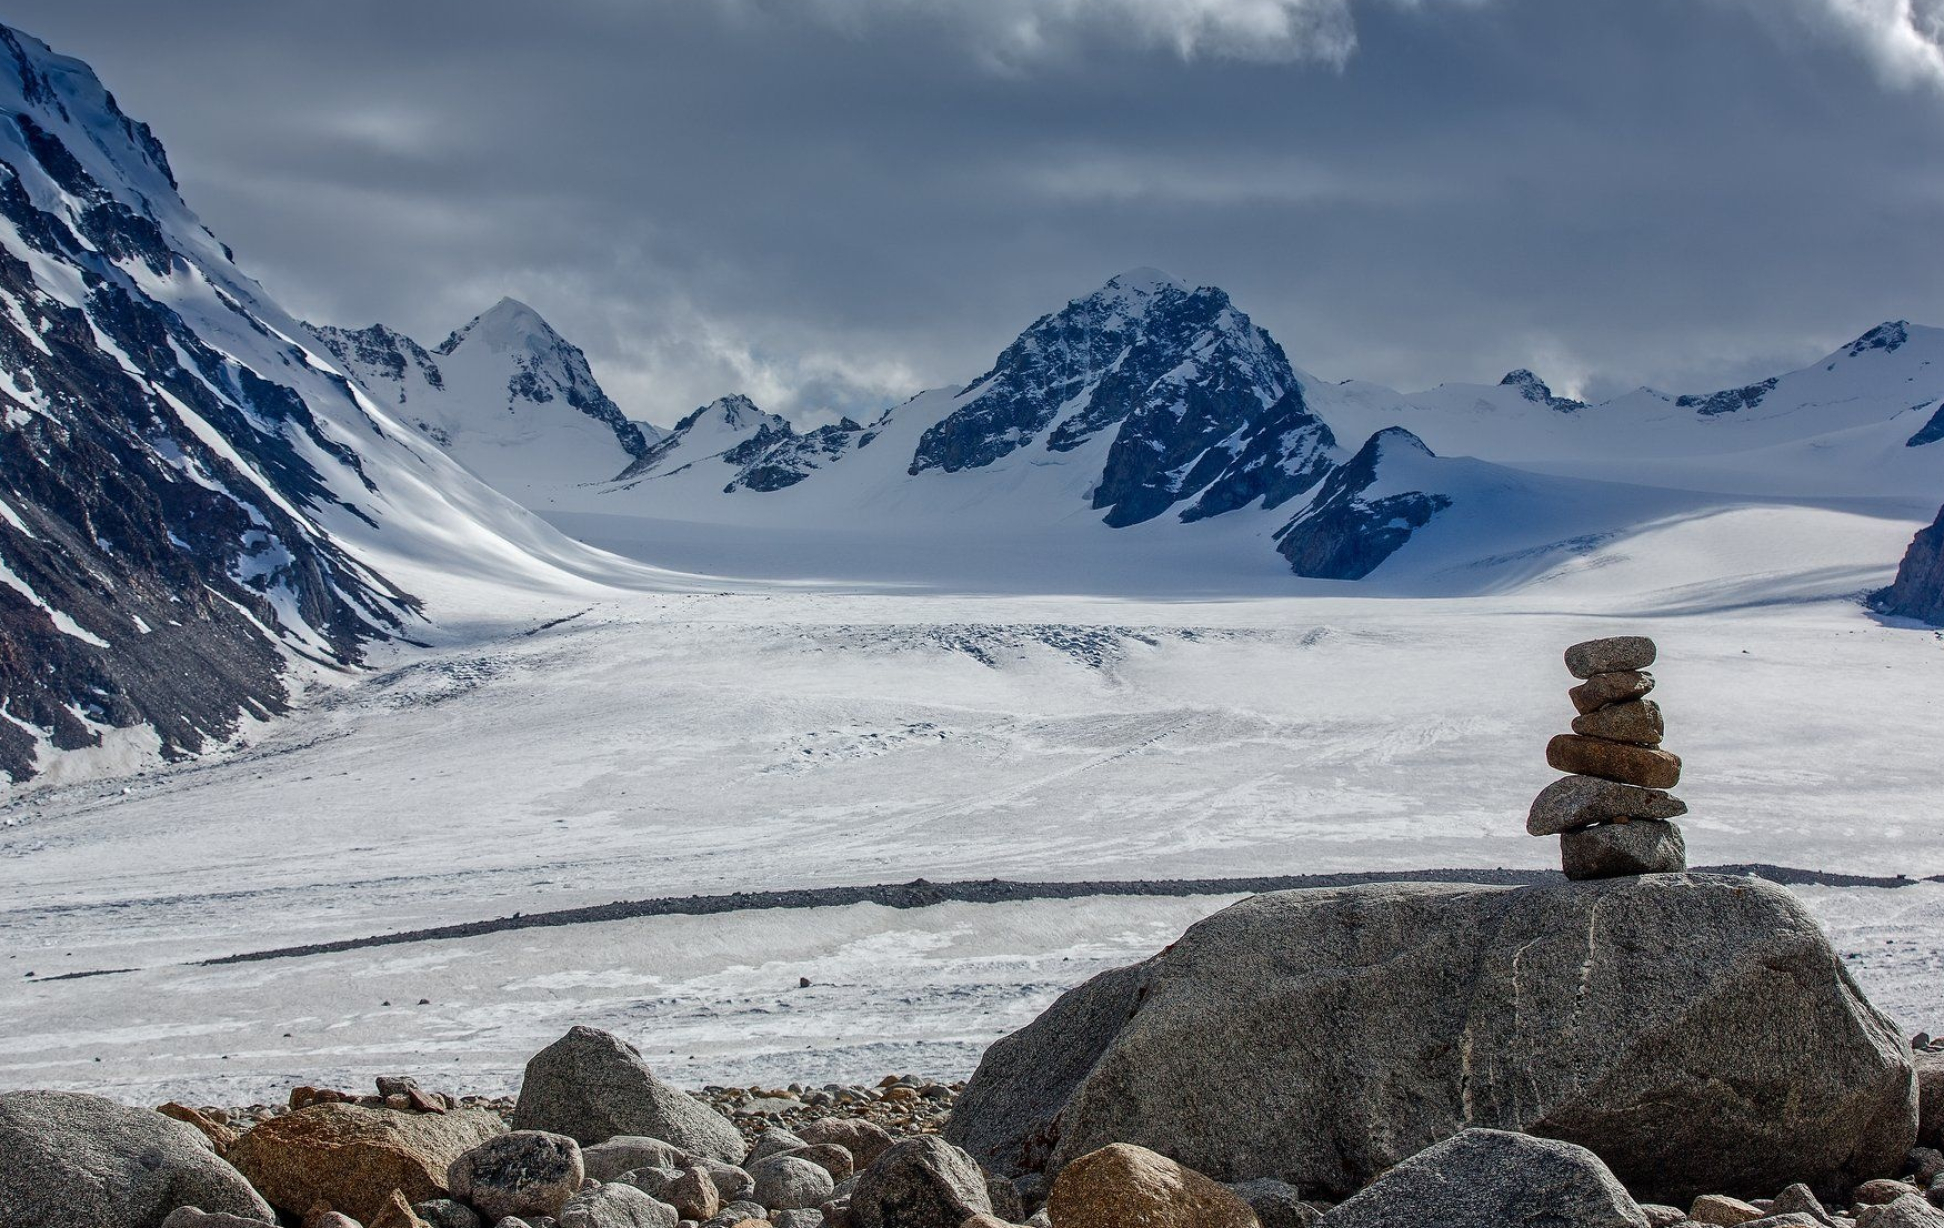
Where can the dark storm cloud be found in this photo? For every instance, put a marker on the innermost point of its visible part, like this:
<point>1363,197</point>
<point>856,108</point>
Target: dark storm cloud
<point>835,202</point>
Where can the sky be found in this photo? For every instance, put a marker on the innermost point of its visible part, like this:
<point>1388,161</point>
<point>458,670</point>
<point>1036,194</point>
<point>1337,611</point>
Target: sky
<point>832,204</point>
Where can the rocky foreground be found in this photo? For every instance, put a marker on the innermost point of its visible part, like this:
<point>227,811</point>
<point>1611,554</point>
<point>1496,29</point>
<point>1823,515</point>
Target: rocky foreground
<point>1662,1050</point>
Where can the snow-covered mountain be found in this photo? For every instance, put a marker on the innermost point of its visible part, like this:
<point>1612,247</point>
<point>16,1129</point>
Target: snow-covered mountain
<point>1153,406</point>
<point>508,396</point>
<point>192,495</point>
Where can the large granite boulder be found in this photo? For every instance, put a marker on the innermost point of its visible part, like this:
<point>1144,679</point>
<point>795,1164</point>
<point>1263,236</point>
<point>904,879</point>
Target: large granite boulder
<point>591,1086</point>
<point>352,1158</point>
<point>1493,1179</point>
<point>74,1161</point>
<point>1695,1031</point>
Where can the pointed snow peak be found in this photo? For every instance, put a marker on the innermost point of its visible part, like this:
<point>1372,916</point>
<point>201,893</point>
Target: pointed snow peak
<point>507,324</point>
<point>734,412</point>
<point>1396,441</point>
<point>1131,292</point>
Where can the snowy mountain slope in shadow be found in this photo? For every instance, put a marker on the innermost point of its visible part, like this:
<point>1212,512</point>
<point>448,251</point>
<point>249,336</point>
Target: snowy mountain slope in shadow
<point>192,498</point>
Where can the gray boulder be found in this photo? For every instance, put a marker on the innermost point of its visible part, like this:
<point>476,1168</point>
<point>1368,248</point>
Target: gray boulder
<point>75,1161</point>
<point>592,1086</point>
<point>772,1142</point>
<point>804,1218</point>
<point>1695,1031</point>
<point>196,1217</point>
<point>1907,1211</point>
<point>526,1173</point>
<point>625,1153</point>
<point>1493,1179</point>
<point>446,1213</point>
<point>1642,846</point>
<point>1276,1204</point>
<point>616,1206</point>
<point>790,1183</point>
<point>732,1182</point>
<point>922,1182</point>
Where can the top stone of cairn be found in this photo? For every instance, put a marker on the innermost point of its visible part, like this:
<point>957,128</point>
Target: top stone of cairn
<point>1609,656</point>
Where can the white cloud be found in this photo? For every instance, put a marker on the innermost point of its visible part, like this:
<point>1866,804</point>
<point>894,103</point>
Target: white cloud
<point>1903,39</point>
<point>1011,33</point>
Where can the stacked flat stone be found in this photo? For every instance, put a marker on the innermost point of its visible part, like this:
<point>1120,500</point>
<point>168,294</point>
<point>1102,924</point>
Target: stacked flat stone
<point>1613,814</point>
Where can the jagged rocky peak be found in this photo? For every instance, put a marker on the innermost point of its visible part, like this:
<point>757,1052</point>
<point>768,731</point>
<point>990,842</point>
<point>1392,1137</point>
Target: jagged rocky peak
<point>1534,389</point>
<point>380,350</point>
<point>1173,372</point>
<point>1365,510</point>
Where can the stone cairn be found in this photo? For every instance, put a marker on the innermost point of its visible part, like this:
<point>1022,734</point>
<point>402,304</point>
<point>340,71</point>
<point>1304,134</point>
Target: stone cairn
<point>1612,815</point>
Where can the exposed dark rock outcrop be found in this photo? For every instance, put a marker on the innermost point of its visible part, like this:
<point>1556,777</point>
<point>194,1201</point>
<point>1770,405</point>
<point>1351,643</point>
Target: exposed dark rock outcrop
<point>1918,591</point>
<point>159,535</point>
<point>1534,389</point>
<point>1346,531</point>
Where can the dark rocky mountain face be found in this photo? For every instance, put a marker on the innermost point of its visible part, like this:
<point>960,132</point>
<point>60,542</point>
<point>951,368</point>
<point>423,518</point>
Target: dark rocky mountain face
<point>1728,400</point>
<point>158,556</point>
<point>1345,533</point>
<point>1277,457</point>
<point>1918,591</point>
<point>776,457</point>
<point>1181,374</point>
<point>1931,431</point>
<point>381,350</point>
<point>1534,389</point>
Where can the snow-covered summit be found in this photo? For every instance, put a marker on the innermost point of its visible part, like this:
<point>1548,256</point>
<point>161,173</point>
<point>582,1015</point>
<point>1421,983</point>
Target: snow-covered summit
<point>505,393</point>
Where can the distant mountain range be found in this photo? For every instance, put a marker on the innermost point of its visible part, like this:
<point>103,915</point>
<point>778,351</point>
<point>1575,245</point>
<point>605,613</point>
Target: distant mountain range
<point>1150,403</point>
<point>200,494</point>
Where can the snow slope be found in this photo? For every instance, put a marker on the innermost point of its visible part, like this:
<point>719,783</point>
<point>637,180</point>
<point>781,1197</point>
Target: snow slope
<point>196,497</point>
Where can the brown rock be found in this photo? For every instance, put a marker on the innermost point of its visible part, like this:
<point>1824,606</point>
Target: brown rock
<point>1614,654</point>
<point>352,1157</point>
<point>397,1213</point>
<point>1122,1184</point>
<point>1881,1191</point>
<point>1630,765</point>
<point>865,1140</point>
<point>1603,689</point>
<point>1637,720</point>
<point>221,1136</point>
<point>422,1102</point>
<point>1930,1097</point>
<point>1722,1211</point>
<point>693,1194</point>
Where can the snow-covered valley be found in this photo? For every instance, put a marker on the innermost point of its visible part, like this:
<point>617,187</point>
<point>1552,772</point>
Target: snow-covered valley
<point>760,736</point>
